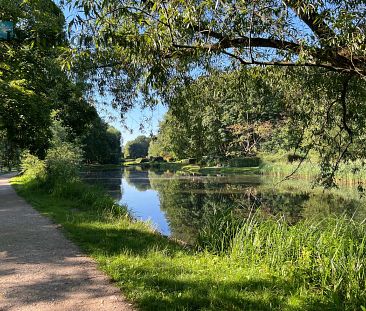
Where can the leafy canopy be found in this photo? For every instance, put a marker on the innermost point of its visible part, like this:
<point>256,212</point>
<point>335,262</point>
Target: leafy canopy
<point>152,45</point>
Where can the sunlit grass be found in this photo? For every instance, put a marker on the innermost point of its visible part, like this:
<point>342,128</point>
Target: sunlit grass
<point>351,172</point>
<point>250,265</point>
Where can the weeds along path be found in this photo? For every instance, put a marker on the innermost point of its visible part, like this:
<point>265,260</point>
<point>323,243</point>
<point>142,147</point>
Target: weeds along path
<point>40,269</point>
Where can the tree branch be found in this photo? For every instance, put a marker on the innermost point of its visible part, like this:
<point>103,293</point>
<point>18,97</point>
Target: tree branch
<point>311,18</point>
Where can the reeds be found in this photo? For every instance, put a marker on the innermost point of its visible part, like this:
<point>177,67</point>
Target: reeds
<point>328,256</point>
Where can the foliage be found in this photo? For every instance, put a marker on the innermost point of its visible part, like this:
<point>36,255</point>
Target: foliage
<point>101,143</point>
<point>33,85</point>
<point>316,49</point>
<point>32,167</point>
<point>62,164</point>
<point>151,45</point>
<point>137,148</point>
<point>9,154</point>
<point>295,271</point>
<point>245,162</point>
<point>256,110</point>
<point>29,73</point>
<point>328,255</point>
<point>221,116</point>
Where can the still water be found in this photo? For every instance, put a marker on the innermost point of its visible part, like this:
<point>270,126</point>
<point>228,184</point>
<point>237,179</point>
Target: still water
<point>179,206</point>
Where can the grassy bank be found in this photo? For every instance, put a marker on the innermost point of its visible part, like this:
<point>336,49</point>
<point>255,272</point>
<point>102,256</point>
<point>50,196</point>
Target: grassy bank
<point>351,172</point>
<point>193,169</point>
<point>236,266</point>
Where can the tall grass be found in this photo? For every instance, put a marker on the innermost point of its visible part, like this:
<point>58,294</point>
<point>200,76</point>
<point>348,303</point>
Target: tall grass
<point>320,261</point>
<point>328,256</point>
<point>351,172</point>
<point>306,170</point>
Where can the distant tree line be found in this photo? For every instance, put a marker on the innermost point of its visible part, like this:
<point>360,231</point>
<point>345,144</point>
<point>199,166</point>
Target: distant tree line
<point>137,148</point>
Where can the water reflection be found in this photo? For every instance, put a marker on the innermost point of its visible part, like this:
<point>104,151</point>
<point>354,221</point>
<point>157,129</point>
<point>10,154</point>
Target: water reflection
<point>180,206</point>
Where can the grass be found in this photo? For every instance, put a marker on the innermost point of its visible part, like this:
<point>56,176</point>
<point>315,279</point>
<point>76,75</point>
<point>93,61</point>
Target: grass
<point>350,172</point>
<point>249,265</point>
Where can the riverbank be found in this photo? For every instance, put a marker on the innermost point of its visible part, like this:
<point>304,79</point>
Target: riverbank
<point>352,173</point>
<point>40,269</point>
<point>194,169</point>
<point>304,267</point>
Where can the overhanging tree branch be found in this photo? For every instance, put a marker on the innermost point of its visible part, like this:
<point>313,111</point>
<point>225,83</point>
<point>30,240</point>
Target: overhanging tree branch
<point>311,18</point>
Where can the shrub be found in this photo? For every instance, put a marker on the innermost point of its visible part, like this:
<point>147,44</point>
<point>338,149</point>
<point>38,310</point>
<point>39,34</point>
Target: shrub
<point>157,159</point>
<point>141,160</point>
<point>245,162</point>
<point>294,157</point>
<point>33,167</point>
<point>189,161</point>
<point>62,164</point>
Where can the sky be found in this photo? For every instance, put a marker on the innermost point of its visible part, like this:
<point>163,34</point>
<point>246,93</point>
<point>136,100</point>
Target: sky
<point>131,126</point>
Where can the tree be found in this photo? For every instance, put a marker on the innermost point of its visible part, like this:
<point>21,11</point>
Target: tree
<point>155,47</point>
<point>101,143</point>
<point>151,40</point>
<point>137,148</point>
<point>29,73</point>
<point>221,115</point>
<point>35,91</point>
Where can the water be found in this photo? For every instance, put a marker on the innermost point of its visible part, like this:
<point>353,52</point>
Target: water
<point>179,206</point>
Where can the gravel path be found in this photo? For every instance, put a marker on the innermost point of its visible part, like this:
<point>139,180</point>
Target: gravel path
<point>41,270</point>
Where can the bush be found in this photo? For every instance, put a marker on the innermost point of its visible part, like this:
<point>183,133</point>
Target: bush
<point>294,158</point>
<point>33,167</point>
<point>141,160</point>
<point>245,162</point>
<point>157,159</point>
<point>62,164</point>
<point>214,161</point>
<point>189,161</point>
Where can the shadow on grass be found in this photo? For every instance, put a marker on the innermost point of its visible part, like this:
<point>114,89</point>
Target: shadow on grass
<point>159,274</point>
<point>171,282</point>
<point>177,291</point>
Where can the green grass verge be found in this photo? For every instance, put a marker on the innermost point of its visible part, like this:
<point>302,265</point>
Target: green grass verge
<point>159,274</point>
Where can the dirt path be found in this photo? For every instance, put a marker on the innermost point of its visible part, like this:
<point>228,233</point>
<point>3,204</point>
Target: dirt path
<point>41,270</point>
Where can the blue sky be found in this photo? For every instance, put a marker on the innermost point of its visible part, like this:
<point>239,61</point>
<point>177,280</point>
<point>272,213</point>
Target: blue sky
<point>136,117</point>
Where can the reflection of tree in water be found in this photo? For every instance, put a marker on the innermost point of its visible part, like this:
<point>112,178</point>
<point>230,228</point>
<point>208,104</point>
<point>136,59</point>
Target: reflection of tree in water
<point>191,203</point>
<point>137,177</point>
<point>107,179</point>
<point>321,206</point>
<point>183,209</point>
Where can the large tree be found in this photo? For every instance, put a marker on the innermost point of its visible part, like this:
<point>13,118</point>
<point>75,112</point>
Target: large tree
<point>34,88</point>
<point>151,39</point>
<point>147,49</point>
<point>137,148</point>
<point>29,72</point>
